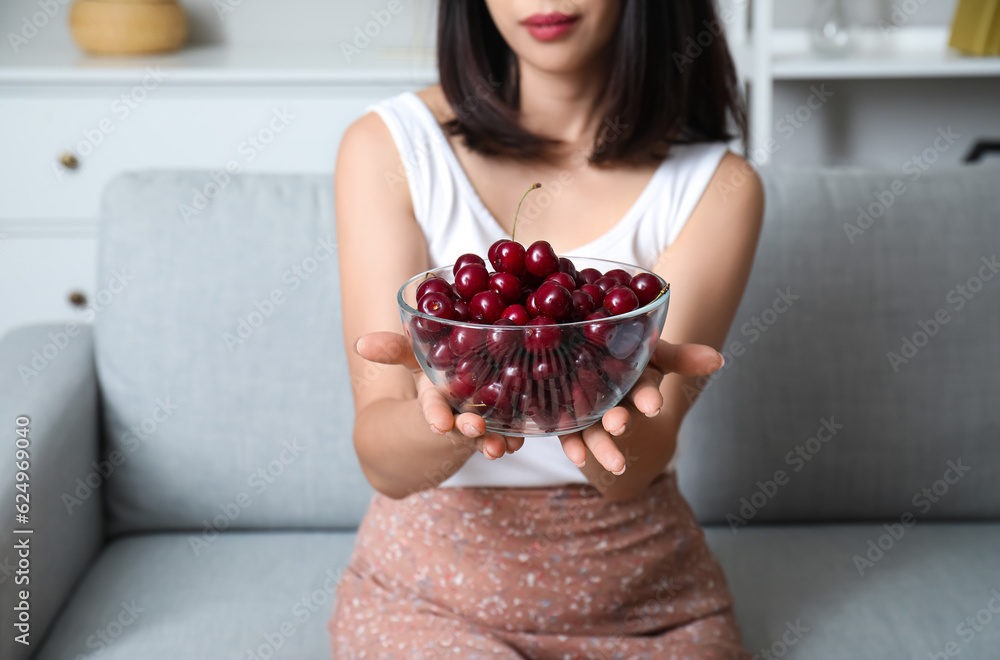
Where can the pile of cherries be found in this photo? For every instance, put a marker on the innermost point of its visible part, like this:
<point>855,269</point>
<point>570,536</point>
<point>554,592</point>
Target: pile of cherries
<point>553,375</point>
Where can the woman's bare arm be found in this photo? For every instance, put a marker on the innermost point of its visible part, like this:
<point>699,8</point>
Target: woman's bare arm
<point>708,267</point>
<point>406,440</point>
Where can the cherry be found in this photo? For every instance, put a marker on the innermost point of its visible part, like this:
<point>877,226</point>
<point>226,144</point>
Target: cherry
<point>439,306</point>
<point>626,338</point>
<point>465,260</point>
<point>461,310</point>
<point>532,305</point>
<point>548,365</point>
<point>563,279</point>
<point>605,284</point>
<point>460,389</point>
<point>541,334</point>
<point>516,313</point>
<point>492,253</point>
<point>472,369</point>
<point>514,376</point>
<point>494,395</point>
<point>486,307</point>
<point>435,284</point>
<point>589,275</point>
<point>567,266</point>
<point>466,339</point>
<point>583,302</point>
<point>620,300</point>
<point>510,258</point>
<point>507,285</point>
<point>441,356</point>
<point>595,293</point>
<point>619,276</point>
<point>553,300</point>
<point>470,280</point>
<point>540,259</point>
<point>500,342</point>
<point>646,287</point>
<point>597,332</point>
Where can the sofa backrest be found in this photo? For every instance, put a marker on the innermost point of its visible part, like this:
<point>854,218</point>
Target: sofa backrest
<point>225,393</point>
<point>866,379</point>
<point>227,403</point>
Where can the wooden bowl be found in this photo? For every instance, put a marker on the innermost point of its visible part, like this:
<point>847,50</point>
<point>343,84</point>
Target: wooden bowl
<point>128,27</point>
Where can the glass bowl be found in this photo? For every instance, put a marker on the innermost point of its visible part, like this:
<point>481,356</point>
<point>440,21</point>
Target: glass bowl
<point>534,380</point>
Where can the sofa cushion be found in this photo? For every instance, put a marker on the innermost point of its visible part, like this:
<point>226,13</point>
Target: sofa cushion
<point>220,355</point>
<point>244,595</point>
<point>270,594</point>
<point>800,592</point>
<point>824,308</point>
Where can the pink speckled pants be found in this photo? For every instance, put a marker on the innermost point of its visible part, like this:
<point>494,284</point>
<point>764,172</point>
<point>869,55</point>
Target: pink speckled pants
<point>560,573</point>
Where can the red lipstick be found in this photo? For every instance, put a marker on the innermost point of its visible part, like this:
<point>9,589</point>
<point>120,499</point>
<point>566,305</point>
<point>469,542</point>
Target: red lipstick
<point>546,27</point>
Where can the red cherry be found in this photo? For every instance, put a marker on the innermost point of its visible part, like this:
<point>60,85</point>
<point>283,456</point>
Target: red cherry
<point>583,303</point>
<point>541,334</point>
<point>500,342</point>
<point>486,307</point>
<point>470,280</point>
<point>472,369</point>
<point>619,276</point>
<point>507,285</point>
<point>516,313</point>
<point>531,304</point>
<point>435,284</point>
<point>595,293</point>
<point>540,259</point>
<point>597,332</point>
<point>514,376</point>
<point>567,266</point>
<point>510,258</point>
<point>646,287</point>
<point>494,395</point>
<point>439,306</point>
<point>492,253</point>
<point>461,310</point>
<point>605,284</point>
<point>589,275</point>
<point>465,260</point>
<point>620,300</point>
<point>460,389</point>
<point>548,365</point>
<point>441,356</point>
<point>554,301</point>
<point>465,339</point>
<point>627,337</point>
<point>563,279</point>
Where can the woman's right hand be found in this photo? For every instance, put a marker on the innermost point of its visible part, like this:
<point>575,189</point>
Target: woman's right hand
<point>464,429</point>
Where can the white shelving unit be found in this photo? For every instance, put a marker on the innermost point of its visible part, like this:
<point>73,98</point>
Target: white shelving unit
<point>766,55</point>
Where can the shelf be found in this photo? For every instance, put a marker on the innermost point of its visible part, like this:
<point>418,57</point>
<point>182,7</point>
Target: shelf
<point>218,65</point>
<point>907,53</point>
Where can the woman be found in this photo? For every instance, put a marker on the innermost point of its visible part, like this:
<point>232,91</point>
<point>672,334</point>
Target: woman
<point>578,546</point>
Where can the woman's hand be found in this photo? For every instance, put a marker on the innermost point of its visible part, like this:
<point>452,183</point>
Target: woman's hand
<point>464,429</point>
<point>645,397</point>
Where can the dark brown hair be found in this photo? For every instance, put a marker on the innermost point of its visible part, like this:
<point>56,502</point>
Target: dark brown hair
<point>671,81</point>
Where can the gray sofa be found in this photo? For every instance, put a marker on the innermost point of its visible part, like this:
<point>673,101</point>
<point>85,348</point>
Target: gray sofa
<point>194,490</point>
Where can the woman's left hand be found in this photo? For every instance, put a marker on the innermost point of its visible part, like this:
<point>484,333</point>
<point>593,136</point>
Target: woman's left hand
<point>644,397</point>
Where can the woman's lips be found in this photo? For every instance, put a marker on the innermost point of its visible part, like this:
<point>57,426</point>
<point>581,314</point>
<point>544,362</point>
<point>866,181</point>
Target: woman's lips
<point>546,27</point>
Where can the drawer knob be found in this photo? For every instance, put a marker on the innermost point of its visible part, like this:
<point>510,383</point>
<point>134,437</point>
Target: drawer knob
<point>69,161</point>
<point>77,299</point>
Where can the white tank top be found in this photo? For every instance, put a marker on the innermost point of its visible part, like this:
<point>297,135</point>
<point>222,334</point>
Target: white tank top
<point>454,221</point>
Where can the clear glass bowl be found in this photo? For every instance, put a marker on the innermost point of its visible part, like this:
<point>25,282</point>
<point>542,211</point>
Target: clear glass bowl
<point>534,380</point>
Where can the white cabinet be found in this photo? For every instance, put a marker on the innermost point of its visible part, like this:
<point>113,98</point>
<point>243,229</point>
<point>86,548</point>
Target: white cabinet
<point>195,110</point>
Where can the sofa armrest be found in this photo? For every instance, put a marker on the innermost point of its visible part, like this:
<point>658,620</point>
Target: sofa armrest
<point>48,376</point>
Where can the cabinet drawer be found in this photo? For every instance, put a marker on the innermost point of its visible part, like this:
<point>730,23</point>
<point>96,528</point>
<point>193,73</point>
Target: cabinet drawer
<point>37,277</point>
<point>261,129</point>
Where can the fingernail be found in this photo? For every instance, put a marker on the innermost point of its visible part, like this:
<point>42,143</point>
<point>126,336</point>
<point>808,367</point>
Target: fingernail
<point>356,345</point>
<point>619,431</point>
<point>619,472</point>
<point>436,430</point>
<point>654,413</point>
<point>470,430</point>
<point>723,358</point>
<point>580,464</point>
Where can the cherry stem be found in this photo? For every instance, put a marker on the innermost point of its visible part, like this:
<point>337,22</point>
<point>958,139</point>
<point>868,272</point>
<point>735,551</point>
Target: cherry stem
<point>662,292</point>
<point>514,228</point>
